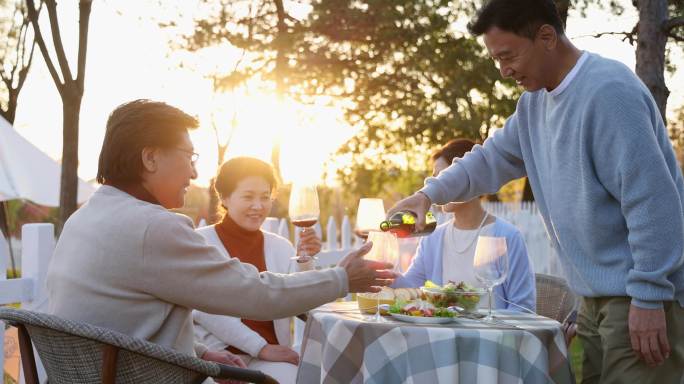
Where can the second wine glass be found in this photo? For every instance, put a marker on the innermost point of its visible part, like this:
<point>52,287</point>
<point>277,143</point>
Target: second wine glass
<point>385,249</point>
<point>369,214</point>
<point>303,210</point>
<point>490,264</point>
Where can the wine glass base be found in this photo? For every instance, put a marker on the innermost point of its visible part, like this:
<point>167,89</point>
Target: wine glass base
<point>376,319</point>
<point>304,259</point>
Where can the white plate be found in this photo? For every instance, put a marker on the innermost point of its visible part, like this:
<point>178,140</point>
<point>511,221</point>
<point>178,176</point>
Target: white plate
<point>422,320</point>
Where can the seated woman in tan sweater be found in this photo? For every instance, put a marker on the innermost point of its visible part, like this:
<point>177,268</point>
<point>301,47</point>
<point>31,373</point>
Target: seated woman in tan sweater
<point>245,187</point>
<point>123,261</point>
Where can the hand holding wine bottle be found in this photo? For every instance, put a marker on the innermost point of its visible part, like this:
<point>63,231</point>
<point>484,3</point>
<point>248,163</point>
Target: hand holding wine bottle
<point>403,224</point>
<point>418,204</point>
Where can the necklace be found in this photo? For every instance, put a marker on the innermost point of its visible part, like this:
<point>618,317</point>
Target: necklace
<point>477,234</point>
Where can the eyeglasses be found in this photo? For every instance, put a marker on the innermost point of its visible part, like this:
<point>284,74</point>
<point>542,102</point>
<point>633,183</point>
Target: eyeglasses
<point>194,156</point>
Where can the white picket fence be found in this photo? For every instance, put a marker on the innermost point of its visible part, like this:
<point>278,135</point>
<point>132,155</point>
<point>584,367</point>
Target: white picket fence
<point>38,243</point>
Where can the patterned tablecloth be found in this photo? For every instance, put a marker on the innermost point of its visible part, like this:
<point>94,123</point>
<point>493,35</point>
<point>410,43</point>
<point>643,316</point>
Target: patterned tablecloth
<point>340,346</point>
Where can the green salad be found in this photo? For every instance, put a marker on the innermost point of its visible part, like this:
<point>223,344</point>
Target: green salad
<point>419,308</point>
<point>462,294</point>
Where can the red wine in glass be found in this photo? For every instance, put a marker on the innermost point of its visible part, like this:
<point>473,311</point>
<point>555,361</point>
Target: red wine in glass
<point>304,223</point>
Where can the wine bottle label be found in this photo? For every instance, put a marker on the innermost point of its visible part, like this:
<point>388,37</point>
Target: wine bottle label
<point>408,218</point>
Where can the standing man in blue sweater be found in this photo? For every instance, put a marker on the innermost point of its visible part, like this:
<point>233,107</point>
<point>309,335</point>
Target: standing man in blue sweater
<point>588,135</point>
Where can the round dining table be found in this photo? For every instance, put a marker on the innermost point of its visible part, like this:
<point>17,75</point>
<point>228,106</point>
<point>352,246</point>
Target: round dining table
<point>342,345</point>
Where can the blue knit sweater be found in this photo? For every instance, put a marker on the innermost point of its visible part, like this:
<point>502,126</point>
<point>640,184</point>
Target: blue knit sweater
<point>604,176</point>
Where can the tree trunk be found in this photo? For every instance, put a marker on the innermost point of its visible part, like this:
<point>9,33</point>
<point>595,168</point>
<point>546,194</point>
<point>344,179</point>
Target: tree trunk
<point>213,217</point>
<point>68,193</point>
<point>71,93</point>
<point>280,42</point>
<point>650,52</point>
<point>4,221</point>
<point>5,227</point>
<point>10,114</point>
<point>280,71</point>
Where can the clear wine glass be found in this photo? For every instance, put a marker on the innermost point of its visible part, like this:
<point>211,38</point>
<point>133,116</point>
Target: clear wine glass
<point>490,264</point>
<point>385,249</point>
<point>303,210</point>
<point>369,214</point>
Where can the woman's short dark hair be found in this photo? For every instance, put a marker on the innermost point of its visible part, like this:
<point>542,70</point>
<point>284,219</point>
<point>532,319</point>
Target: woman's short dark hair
<point>522,17</point>
<point>454,148</point>
<point>136,125</point>
<point>236,169</point>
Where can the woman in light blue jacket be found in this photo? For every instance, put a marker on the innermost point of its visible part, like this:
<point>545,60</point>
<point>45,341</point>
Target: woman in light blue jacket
<point>447,254</point>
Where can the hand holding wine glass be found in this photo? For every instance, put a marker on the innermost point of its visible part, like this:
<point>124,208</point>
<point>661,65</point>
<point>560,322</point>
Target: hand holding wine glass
<point>303,211</point>
<point>366,275</point>
<point>490,264</point>
<point>309,242</point>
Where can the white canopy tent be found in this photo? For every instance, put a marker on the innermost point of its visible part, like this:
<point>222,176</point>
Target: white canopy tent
<point>28,173</point>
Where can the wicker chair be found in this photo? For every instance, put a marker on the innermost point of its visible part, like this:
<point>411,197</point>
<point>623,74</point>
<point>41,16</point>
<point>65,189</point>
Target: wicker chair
<point>74,352</point>
<point>554,299</point>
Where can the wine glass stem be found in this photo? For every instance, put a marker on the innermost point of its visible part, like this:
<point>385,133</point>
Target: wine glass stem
<point>377,309</point>
<point>302,252</point>
<point>489,290</point>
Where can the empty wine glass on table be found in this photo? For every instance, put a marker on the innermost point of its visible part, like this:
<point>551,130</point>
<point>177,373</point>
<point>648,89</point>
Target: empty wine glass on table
<point>490,265</point>
<point>385,249</point>
<point>303,211</point>
<point>369,215</point>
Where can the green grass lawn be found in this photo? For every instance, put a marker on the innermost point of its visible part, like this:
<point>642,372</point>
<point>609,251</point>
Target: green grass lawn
<point>575,357</point>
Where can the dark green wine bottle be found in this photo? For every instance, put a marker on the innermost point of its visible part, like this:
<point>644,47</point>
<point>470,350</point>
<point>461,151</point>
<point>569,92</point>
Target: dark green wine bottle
<point>403,224</point>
